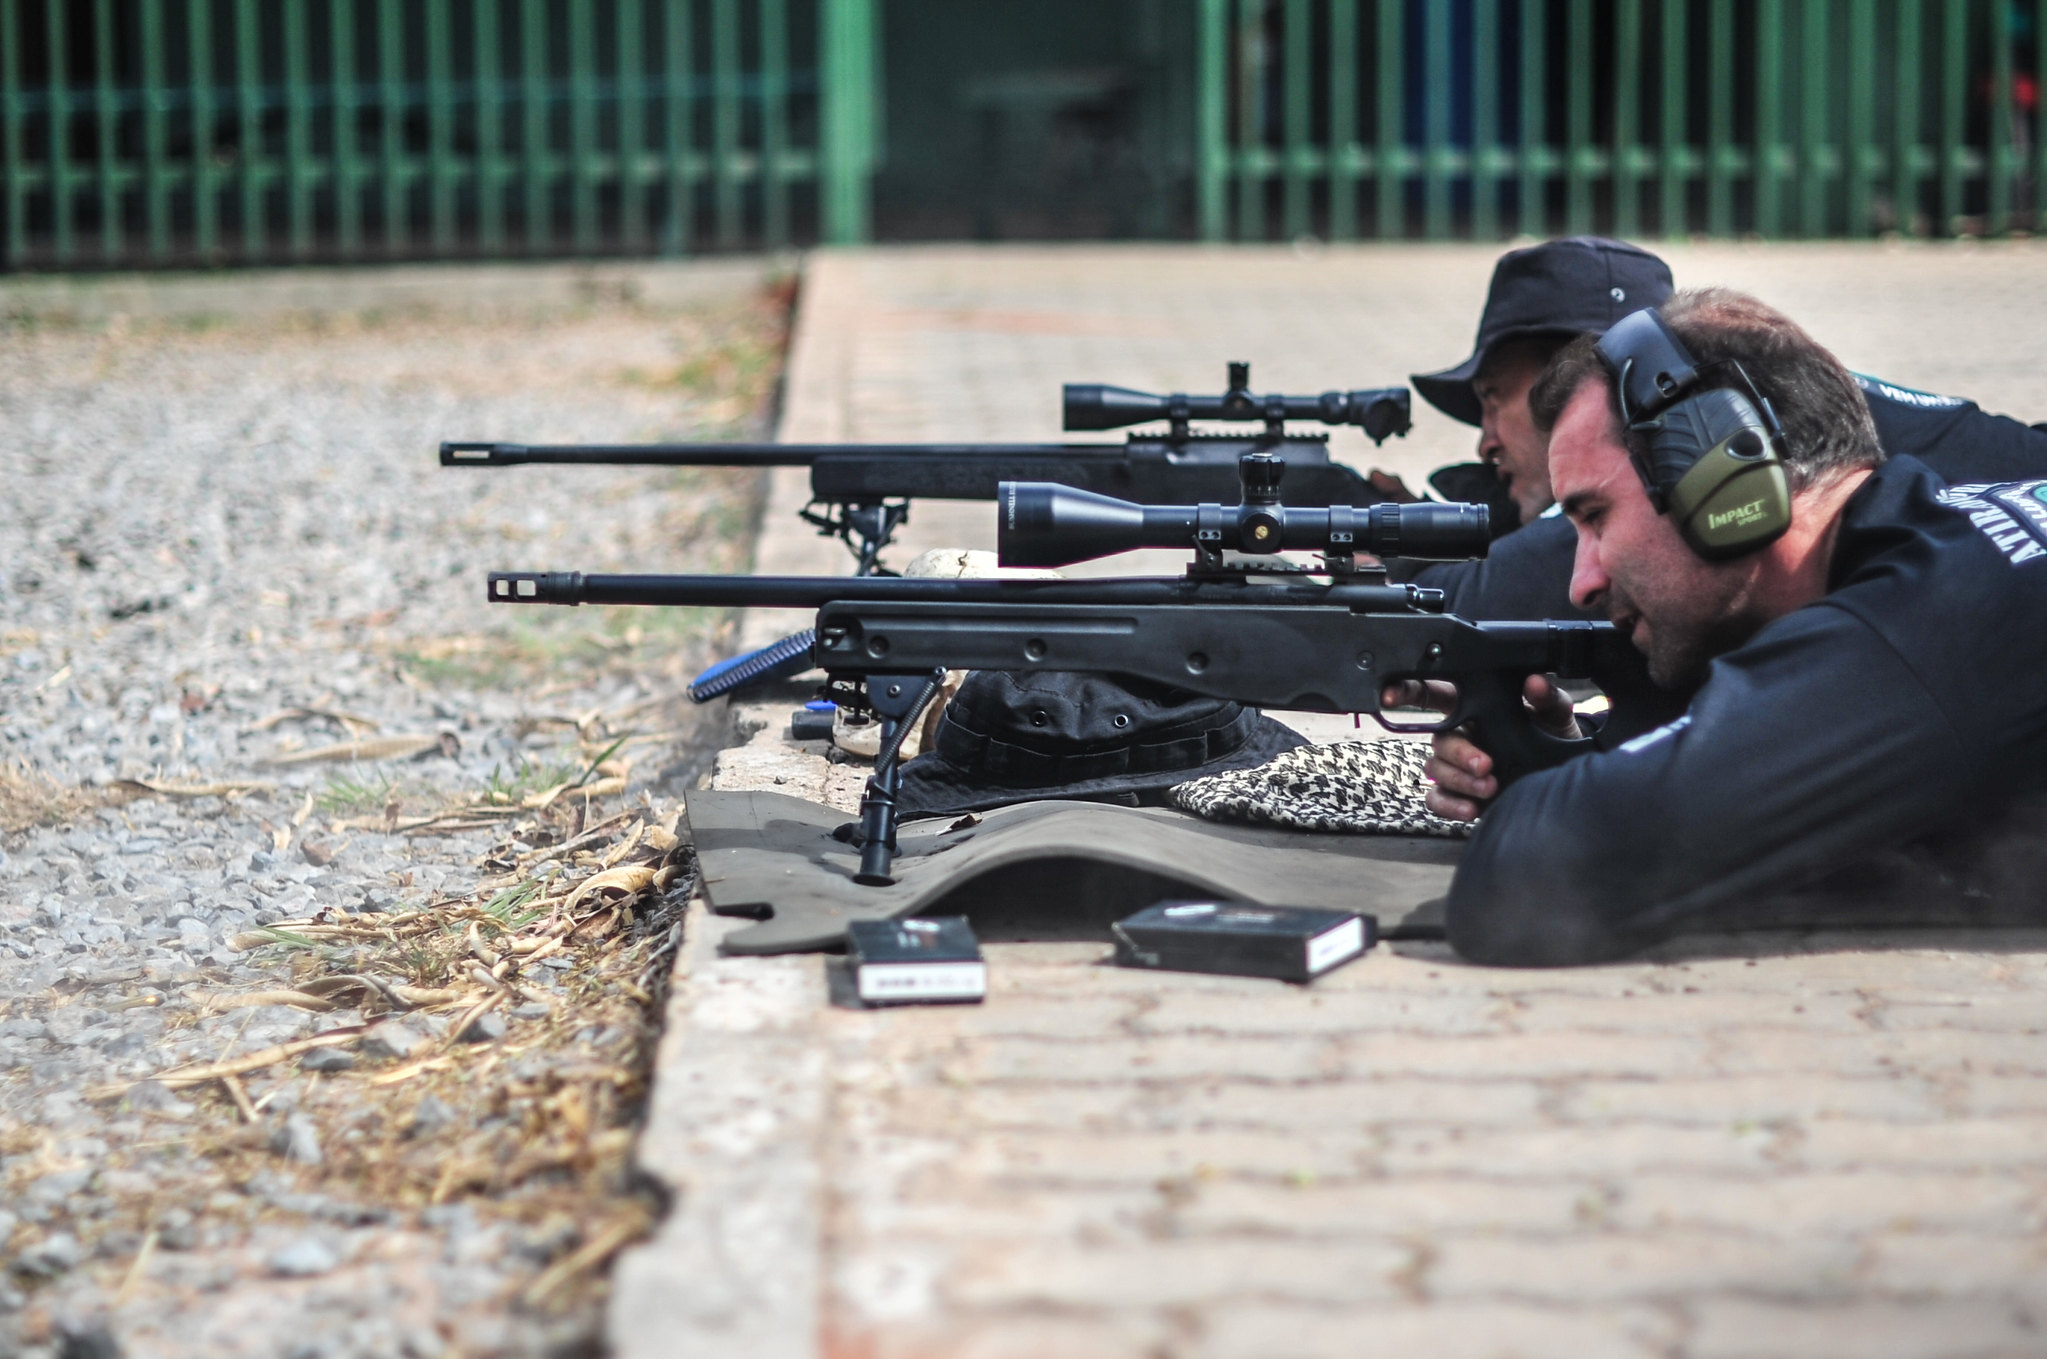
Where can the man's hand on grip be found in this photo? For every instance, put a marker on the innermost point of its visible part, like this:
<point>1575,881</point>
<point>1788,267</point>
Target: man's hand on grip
<point>1461,772</point>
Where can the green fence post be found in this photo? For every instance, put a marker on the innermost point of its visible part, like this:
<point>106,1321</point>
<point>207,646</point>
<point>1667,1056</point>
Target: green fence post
<point>440,131</point>
<point>680,139</point>
<point>107,144</point>
<point>252,161</point>
<point>297,144</point>
<point>1211,168</point>
<point>489,172</point>
<point>774,183</point>
<point>1341,165</point>
<point>2039,217</point>
<point>725,114</point>
<point>1861,109</point>
<point>1676,160</point>
<point>1392,157</point>
<point>10,132</point>
<point>582,128</point>
<point>1999,168</point>
<point>58,176</point>
<point>346,177</point>
<point>155,173</point>
<point>1813,148</point>
<point>850,95</point>
<point>1770,79</point>
<point>1485,119</point>
<point>1252,160</point>
<point>1436,125</point>
<point>390,121</point>
<point>1954,94</point>
<point>1905,133</point>
<point>1627,97</point>
<point>1296,95</point>
<point>1578,121</point>
<point>1720,149</point>
<point>1533,154</point>
<point>205,194</point>
<point>535,148</point>
<point>632,113</point>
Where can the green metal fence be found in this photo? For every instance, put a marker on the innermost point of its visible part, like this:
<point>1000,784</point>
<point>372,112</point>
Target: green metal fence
<point>167,132</point>
<point>1439,118</point>
<point>154,132</point>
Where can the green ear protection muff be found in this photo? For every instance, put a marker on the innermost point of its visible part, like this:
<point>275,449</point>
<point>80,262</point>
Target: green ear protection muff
<point>1709,449</point>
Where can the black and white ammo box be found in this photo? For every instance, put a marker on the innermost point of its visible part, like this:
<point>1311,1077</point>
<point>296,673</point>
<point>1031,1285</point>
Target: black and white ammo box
<point>909,962</point>
<point>1242,938</point>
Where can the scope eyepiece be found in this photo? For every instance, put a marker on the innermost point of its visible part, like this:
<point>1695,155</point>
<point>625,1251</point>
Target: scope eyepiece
<point>1040,523</point>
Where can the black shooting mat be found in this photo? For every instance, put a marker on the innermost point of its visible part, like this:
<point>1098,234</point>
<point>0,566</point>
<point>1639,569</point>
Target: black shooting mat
<point>1038,870</point>
<point>1065,870</point>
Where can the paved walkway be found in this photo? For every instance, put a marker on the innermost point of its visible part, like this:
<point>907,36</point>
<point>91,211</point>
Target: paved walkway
<point>1817,1146</point>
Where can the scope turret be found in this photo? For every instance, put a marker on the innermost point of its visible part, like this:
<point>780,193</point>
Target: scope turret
<point>1379,411</point>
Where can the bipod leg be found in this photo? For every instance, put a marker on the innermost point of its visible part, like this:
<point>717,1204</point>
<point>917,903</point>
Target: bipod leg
<point>875,526</point>
<point>899,701</point>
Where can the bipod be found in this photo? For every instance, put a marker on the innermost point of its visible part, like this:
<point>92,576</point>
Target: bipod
<point>899,701</point>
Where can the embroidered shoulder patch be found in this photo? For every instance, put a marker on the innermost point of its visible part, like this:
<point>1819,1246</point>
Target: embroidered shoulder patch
<point>2012,514</point>
<point>1906,395</point>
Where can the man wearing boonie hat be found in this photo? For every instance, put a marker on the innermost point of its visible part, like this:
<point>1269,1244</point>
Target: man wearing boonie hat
<point>1541,299</point>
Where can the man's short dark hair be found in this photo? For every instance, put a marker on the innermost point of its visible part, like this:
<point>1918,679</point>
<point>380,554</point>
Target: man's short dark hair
<point>1827,427</point>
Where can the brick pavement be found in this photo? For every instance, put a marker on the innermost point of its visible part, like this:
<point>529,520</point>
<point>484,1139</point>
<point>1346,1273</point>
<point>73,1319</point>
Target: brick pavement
<point>1827,1145</point>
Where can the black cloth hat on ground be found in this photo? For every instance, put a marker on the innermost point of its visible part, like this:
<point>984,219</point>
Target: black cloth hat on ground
<point>1017,736</point>
<point>1577,285</point>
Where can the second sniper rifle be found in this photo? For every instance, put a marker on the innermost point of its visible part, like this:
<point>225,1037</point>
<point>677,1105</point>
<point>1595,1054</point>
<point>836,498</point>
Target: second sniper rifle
<point>861,493</point>
<point>1279,641</point>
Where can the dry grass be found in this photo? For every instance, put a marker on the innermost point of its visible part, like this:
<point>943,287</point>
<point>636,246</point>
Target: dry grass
<point>30,798</point>
<point>535,1128</point>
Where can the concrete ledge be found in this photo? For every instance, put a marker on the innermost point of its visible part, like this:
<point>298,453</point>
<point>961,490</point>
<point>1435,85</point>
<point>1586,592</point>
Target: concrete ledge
<point>734,1132</point>
<point>459,288</point>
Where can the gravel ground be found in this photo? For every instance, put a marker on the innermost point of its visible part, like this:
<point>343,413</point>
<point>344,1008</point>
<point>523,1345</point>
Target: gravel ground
<point>229,554</point>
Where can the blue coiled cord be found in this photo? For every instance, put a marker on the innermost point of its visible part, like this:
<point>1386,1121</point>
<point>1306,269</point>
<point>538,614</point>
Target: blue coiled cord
<point>790,656</point>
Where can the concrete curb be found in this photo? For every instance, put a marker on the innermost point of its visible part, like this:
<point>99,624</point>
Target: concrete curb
<point>735,1123</point>
<point>733,1131</point>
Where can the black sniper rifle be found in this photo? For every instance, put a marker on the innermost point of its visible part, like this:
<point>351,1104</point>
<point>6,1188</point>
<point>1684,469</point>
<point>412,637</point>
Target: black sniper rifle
<point>1273,640</point>
<point>860,493</point>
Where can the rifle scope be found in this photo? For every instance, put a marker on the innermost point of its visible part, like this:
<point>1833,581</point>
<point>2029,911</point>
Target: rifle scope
<point>1379,411</point>
<point>1042,524</point>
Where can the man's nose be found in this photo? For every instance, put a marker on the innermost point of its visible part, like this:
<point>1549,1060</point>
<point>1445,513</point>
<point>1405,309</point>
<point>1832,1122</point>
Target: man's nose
<point>1488,440</point>
<point>1589,582</point>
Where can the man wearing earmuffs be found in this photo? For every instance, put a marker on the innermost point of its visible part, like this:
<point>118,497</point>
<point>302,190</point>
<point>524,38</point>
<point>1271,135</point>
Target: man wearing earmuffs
<point>1867,640</point>
<point>1541,297</point>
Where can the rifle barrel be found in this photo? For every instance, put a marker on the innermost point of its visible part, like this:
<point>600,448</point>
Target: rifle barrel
<point>814,592</point>
<point>457,454</point>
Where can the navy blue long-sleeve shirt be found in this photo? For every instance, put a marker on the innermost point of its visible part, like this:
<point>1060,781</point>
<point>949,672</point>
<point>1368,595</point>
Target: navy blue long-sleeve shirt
<point>1908,701</point>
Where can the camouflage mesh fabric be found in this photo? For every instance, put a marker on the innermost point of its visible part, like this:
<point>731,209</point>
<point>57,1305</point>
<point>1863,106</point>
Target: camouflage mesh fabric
<point>1367,787</point>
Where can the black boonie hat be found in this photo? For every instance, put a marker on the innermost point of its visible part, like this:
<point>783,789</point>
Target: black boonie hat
<point>1579,285</point>
<point>1023,736</point>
